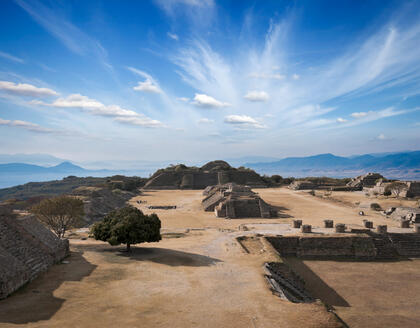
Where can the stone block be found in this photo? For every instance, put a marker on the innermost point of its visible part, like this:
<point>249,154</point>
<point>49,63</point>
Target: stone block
<point>340,228</point>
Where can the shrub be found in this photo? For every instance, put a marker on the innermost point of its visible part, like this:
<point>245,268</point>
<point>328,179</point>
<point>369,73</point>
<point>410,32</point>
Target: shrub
<point>375,207</point>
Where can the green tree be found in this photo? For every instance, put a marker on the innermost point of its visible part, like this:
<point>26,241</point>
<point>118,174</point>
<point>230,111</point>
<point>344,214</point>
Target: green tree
<point>59,213</point>
<point>129,226</point>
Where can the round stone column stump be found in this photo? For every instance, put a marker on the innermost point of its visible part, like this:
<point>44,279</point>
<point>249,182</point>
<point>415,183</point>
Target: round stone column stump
<point>328,223</point>
<point>382,228</point>
<point>297,224</point>
<point>405,224</point>
<point>368,224</point>
<point>306,228</point>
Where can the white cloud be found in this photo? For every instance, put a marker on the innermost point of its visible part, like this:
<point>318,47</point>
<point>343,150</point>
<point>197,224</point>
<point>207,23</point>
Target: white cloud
<point>206,101</point>
<point>147,86</point>
<point>256,96</point>
<point>173,36</point>
<point>205,121</point>
<point>11,57</point>
<point>24,89</point>
<point>295,77</point>
<point>341,120</point>
<point>95,107</point>
<point>359,114</point>
<point>243,121</point>
<point>140,120</point>
<point>26,125</point>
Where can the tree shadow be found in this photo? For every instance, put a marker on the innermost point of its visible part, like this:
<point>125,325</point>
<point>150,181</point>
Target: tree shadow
<point>169,257</point>
<point>315,285</point>
<point>35,301</point>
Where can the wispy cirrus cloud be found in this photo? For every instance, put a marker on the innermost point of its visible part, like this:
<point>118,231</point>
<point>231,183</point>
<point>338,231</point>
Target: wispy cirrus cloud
<point>25,89</point>
<point>52,19</point>
<point>384,59</point>
<point>11,57</point>
<point>170,6</point>
<point>173,36</point>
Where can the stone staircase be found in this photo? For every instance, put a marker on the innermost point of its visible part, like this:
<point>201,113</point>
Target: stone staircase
<point>21,245</point>
<point>286,283</point>
<point>406,244</point>
<point>385,250</point>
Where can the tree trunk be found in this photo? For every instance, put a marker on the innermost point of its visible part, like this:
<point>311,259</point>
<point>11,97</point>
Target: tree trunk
<point>128,248</point>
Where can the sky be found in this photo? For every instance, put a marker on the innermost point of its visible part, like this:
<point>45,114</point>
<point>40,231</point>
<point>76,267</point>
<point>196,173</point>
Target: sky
<point>198,80</point>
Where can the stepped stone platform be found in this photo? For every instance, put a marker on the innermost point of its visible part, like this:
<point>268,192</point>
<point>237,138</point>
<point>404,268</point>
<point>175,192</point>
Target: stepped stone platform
<point>236,201</point>
<point>366,245</point>
<point>212,173</point>
<point>367,180</point>
<point>27,248</point>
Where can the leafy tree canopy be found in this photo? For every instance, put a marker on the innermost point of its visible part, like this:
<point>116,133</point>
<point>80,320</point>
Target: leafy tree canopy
<point>128,226</point>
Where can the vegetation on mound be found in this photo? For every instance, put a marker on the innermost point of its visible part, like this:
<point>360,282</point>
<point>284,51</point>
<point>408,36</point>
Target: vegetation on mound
<point>128,226</point>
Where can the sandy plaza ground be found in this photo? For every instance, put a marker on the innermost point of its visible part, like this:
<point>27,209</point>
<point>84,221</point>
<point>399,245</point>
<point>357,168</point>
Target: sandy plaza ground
<point>200,276</point>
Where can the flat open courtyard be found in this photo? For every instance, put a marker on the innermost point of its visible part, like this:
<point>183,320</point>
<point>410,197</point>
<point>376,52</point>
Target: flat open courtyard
<point>199,276</point>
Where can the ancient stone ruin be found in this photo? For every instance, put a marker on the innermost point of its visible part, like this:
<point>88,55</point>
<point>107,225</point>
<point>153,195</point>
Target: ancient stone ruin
<point>410,214</point>
<point>367,180</point>
<point>27,248</point>
<point>236,201</point>
<point>212,173</point>
<point>303,185</point>
<point>409,188</point>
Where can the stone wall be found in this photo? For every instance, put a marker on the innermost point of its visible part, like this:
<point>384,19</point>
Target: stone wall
<point>324,247</point>
<point>27,248</point>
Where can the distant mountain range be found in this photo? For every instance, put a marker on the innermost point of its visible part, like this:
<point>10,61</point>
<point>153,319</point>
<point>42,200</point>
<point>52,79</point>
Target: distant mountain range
<point>395,165</point>
<point>12,174</point>
<point>22,168</point>
<point>403,165</point>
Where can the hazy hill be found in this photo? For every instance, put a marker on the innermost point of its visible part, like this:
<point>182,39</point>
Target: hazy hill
<point>398,165</point>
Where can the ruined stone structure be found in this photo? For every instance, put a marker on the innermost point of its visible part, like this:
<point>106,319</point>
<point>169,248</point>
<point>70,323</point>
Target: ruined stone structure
<point>412,188</point>
<point>27,248</point>
<point>303,185</point>
<point>212,173</point>
<point>98,202</point>
<point>405,213</point>
<point>367,180</point>
<point>235,201</point>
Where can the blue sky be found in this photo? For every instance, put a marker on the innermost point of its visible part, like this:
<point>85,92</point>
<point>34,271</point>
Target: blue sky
<point>198,80</point>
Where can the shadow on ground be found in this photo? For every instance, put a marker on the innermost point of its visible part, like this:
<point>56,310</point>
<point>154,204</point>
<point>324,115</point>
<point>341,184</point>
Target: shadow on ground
<point>315,285</point>
<point>168,257</point>
<point>35,301</point>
